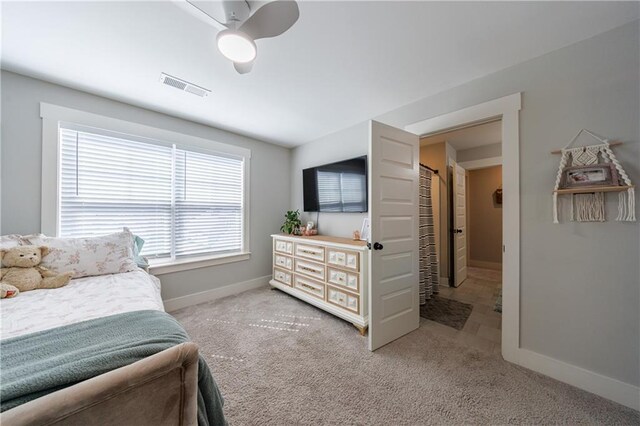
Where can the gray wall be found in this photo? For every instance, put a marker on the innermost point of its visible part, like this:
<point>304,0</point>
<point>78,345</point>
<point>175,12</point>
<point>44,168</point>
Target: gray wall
<point>484,216</point>
<point>21,169</point>
<point>580,282</point>
<point>342,145</point>
<point>481,152</point>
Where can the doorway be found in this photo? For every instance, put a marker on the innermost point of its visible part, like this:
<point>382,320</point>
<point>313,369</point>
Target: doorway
<point>400,149</point>
<point>469,249</point>
<point>507,109</point>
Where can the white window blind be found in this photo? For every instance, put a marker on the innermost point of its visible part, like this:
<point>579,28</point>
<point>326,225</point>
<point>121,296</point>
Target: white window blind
<point>182,203</point>
<point>341,192</point>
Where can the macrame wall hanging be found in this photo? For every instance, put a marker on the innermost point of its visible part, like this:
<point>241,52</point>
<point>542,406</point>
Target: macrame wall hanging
<point>586,174</point>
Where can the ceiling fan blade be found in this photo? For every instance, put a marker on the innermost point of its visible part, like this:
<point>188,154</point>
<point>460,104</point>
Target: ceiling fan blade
<point>193,9</point>
<point>271,20</point>
<point>244,67</point>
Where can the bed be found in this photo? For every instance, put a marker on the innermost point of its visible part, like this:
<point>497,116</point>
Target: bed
<point>102,351</point>
<point>82,299</point>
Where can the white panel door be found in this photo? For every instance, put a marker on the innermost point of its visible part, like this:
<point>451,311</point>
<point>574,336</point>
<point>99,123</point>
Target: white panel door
<point>459,224</point>
<point>393,208</point>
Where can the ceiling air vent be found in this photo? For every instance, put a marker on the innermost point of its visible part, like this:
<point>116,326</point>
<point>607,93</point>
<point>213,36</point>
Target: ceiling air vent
<point>183,85</point>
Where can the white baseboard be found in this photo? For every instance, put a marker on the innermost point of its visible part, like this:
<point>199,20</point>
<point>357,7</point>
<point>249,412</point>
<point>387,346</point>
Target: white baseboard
<point>174,304</point>
<point>606,387</point>
<point>497,266</point>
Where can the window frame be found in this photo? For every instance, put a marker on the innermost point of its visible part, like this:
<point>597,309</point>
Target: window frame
<point>54,115</point>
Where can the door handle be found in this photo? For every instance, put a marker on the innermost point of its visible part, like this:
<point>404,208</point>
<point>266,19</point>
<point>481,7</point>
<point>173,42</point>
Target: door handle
<point>377,246</point>
<point>457,231</point>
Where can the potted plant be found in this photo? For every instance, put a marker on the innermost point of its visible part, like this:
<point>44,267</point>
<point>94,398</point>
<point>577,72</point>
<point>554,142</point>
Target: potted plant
<point>291,223</point>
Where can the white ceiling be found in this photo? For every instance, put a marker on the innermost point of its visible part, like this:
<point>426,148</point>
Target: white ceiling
<point>469,137</point>
<point>340,64</point>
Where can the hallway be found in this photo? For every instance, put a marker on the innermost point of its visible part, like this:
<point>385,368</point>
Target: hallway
<point>484,326</point>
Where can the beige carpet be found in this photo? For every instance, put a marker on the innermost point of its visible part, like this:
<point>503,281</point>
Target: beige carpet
<point>280,361</point>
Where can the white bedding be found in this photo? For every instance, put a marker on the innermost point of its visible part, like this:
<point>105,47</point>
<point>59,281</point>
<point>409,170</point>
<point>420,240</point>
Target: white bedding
<point>82,299</point>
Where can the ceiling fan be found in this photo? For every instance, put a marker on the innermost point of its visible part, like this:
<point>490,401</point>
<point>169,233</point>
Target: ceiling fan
<point>243,22</point>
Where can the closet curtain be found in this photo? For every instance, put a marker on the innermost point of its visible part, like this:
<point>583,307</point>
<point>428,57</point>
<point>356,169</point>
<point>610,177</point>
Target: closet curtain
<point>429,275</point>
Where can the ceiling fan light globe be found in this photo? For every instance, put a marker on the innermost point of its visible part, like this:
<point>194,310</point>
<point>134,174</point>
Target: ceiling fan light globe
<point>236,46</point>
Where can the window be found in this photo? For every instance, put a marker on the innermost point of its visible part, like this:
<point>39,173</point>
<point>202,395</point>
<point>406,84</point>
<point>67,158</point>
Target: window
<point>183,202</point>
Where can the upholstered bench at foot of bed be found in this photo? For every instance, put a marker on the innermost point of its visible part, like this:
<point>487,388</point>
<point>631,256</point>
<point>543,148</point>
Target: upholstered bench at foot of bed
<point>159,390</point>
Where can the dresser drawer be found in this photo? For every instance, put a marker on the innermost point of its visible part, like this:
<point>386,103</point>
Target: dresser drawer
<point>311,269</point>
<point>283,246</point>
<point>310,252</point>
<point>343,258</point>
<point>310,286</point>
<point>348,301</point>
<point>350,280</point>
<point>283,277</point>
<point>285,262</point>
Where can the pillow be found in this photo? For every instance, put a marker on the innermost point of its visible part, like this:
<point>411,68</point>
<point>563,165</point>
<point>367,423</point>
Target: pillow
<point>140,260</point>
<point>10,241</point>
<point>88,256</point>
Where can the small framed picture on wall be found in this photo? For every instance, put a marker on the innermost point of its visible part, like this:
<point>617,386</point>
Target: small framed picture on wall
<point>592,175</point>
<point>365,231</point>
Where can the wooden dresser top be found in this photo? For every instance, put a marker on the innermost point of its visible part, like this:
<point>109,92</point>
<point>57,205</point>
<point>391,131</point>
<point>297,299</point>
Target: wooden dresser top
<point>326,238</point>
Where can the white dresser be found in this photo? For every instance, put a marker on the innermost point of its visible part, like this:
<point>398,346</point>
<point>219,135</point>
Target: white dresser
<point>327,272</point>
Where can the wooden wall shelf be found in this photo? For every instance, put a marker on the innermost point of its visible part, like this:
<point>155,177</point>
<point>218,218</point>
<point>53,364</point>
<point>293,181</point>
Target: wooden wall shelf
<point>588,189</point>
<point>614,143</point>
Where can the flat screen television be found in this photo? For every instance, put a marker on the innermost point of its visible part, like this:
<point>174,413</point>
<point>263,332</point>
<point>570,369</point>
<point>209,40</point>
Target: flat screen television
<point>337,187</point>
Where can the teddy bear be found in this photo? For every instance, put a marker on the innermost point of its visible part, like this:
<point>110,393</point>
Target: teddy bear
<point>7,290</point>
<point>21,270</point>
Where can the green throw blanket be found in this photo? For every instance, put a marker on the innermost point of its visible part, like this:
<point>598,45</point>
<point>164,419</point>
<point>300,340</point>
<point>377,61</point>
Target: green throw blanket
<point>40,363</point>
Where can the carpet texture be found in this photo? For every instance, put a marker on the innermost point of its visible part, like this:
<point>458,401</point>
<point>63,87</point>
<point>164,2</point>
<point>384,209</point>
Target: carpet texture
<point>279,361</point>
<point>446,311</point>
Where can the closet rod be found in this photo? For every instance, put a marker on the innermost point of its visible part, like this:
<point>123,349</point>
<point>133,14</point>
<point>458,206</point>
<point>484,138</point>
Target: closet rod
<point>434,171</point>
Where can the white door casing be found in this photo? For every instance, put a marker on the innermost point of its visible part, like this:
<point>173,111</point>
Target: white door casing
<point>393,209</point>
<point>459,224</point>
<point>508,109</point>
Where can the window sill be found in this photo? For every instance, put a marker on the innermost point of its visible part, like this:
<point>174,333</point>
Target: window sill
<point>159,267</point>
